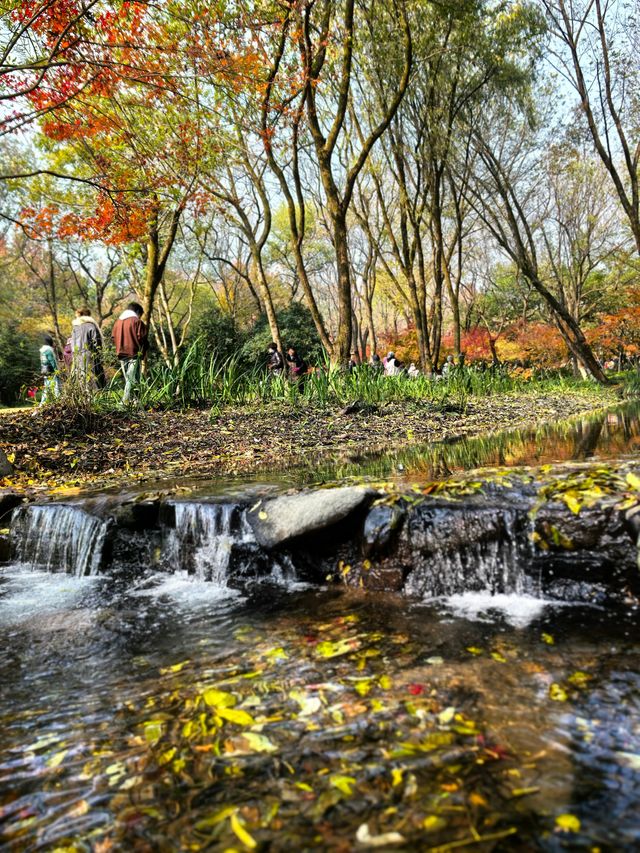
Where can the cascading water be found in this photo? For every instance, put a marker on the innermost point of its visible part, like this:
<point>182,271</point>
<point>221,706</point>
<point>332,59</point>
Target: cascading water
<point>58,538</point>
<point>456,550</point>
<point>204,538</point>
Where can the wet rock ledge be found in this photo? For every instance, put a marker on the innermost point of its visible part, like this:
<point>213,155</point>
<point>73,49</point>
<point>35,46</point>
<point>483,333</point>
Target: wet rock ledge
<point>573,537</point>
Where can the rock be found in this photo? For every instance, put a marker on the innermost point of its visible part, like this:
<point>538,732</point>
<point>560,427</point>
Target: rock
<point>5,548</point>
<point>9,500</point>
<point>380,525</point>
<point>6,468</point>
<point>291,516</point>
<point>359,408</point>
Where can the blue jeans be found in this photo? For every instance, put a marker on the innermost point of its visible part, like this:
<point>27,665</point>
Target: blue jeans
<point>131,371</point>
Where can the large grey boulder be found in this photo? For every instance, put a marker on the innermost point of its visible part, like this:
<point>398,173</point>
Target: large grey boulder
<point>279,520</point>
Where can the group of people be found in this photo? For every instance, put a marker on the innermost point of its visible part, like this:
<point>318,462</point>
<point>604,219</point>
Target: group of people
<point>296,367</point>
<point>390,365</point>
<point>83,353</point>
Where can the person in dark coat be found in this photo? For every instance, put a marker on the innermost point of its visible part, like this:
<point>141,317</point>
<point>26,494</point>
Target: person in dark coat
<point>131,341</point>
<point>275,364</point>
<point>86,349</point>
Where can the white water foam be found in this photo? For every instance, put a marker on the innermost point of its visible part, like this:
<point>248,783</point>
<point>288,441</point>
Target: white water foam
<point>517,609</point>
<point>186,590</point>
<point>25,595</point>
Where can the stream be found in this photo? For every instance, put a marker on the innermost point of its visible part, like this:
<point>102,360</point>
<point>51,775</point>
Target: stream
<point>170,707</point>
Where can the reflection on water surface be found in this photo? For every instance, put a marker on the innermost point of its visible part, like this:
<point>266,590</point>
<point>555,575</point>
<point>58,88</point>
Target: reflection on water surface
<point>608,434</point>
<point>176,717</point>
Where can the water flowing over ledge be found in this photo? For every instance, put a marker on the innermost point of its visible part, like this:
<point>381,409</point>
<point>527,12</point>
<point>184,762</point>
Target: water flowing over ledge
<point>498,540</point>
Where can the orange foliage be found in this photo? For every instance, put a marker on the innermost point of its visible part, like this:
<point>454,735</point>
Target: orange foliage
<point>620,330</point>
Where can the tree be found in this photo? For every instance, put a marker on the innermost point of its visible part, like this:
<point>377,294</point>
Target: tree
<point>505,193</point>
<point>598,54</point>
<point>337,44</point>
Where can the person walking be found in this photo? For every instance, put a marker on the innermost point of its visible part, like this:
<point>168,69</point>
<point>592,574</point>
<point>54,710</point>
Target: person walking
<point>86,349</point>
<point>131,341</point>
<point>49,371</point>
<point>448,367</point>
<point>275,364</point>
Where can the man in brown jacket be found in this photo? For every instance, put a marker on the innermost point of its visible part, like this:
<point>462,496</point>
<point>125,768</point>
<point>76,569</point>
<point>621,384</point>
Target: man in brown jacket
<point>130,338</point>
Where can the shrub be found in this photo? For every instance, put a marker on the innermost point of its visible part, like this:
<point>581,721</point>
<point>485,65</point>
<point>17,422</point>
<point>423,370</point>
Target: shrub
<point>19,363</point>
<point>218,334</point>
<point>296,329</point>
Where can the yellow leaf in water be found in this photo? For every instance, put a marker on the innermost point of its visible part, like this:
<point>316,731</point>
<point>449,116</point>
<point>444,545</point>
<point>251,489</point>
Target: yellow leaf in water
<point>262,515</point>
<point>363,687</point>
<point>259,743</point>
<point>277,654</point>
<point>396,776</point>
<point>497,656</point>
<point>557,693</point>
<point>218,698</point>
<point>82,808</point>
<point>175,668</point>
<point>166,757</point>
<point>632,479</point>
<point>327,649</point>
<point>385,682</point>
<point>433,823</point>
<point>474,650</point>
<point>568,823</point>
<point>477,799</point>
<point>572,502</point>
<point>447,715</point>
<point>153,730</point>
<point>241,833</point>
<point>308,704</point>
<point>548,639</point>
<point>240,718</point>
<point>343,783</point>
<point>216,818</point>
<point>57,759</point>
<point>579,679</point>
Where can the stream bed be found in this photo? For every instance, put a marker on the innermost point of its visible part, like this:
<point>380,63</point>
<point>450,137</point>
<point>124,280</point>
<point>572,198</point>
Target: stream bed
<point>164,712</point>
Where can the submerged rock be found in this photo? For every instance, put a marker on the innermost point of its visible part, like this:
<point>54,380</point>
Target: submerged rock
<point>289,517</point>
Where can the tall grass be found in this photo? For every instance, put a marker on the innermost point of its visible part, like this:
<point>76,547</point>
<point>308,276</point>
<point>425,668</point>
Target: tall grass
<point>202,380</point>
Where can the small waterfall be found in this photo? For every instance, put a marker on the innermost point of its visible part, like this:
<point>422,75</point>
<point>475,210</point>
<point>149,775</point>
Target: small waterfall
<point>58,538</point>
<point>204,539</point>
<point>469,549</point>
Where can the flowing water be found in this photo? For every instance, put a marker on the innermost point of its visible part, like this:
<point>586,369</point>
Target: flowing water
<point>169,708</point>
